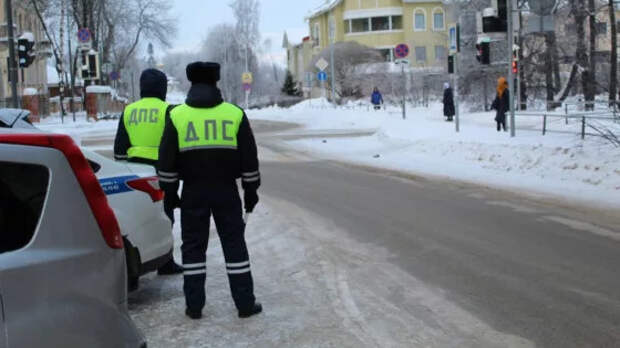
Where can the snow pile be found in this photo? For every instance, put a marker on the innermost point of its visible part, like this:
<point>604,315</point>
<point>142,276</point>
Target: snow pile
<point>559,164</point>
<point>30,91</point>
<point>80,128</point>
<point>99,89</point>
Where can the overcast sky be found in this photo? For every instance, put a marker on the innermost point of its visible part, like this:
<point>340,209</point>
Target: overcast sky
<point>196,17</point>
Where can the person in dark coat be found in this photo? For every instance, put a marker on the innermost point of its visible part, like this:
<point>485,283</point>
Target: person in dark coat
<point>376,99</point>
<point>448,102</point>
<point>501,103</point>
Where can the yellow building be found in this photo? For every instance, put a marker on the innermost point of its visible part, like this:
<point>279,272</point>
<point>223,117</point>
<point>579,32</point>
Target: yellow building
<point>380,24</point>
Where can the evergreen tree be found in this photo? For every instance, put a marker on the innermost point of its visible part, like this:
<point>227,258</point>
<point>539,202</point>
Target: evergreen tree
<point>290,87</point>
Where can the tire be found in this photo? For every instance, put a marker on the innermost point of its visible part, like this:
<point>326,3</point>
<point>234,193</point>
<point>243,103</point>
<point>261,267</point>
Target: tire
<point>133,262</point>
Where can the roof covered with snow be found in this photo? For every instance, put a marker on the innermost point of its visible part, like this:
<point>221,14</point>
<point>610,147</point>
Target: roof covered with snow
<point>326,7</point>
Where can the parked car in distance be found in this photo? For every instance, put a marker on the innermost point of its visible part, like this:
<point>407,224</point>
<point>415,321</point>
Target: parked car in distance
<point>62,263</point>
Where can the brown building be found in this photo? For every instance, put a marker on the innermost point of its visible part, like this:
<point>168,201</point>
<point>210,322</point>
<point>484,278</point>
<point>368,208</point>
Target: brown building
<point>34,77</point>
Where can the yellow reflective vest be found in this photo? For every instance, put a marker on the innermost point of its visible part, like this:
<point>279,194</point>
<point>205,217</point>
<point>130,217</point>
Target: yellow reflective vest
<point>144,121</point>
<point>209,128</point>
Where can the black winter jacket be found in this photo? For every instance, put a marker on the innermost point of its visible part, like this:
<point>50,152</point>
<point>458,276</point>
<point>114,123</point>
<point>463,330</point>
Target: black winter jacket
<point>502,105</point>
<point>209,167</point>
<point>448,102</point>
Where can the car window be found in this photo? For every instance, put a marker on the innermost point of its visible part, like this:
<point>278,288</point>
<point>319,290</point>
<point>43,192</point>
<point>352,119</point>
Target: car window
<point>23,188</point>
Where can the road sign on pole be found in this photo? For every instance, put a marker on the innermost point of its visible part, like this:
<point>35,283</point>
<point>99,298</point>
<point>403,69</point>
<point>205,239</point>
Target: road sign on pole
<point>84,35</point>
<point>322,76</point>
<point>247,87</point>
<point>115,76</point>
<point>401,51</point>
<point>322,64</point>
<point>247,78</point>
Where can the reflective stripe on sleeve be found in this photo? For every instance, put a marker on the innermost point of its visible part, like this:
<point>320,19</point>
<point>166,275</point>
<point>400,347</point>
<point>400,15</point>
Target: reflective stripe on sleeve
<point>249,175</point>
<point>120,157</point>
<point>251,179</point>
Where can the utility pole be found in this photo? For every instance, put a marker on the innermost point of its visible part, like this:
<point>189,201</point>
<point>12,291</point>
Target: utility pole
<point>332,34</point>
<point>12,61</point>
<point>247,69</point>
<point>511,82</point>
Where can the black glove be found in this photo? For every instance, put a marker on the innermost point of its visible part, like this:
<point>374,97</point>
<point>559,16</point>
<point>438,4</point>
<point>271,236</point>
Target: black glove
<point>171,202</point>
<point>250,199</point>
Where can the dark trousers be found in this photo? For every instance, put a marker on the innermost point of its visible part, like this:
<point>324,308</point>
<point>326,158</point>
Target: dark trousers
<point>501,124</point>
<point>222,201</point>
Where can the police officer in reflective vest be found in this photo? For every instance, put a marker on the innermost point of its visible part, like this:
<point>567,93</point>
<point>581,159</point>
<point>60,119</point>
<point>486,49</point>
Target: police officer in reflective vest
<point>140,130</point>
<point>208,144</point>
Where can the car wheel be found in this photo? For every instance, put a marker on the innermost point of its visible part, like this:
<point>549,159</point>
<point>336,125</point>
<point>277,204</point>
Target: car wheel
<point>133,261</point>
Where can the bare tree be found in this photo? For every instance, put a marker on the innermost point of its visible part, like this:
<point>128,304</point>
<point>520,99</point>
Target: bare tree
<point>349,61</point>
<point>613,74</point>
<point>247,14</point>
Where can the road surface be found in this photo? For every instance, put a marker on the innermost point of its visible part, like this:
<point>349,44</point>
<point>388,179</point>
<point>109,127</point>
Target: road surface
<point>351,256</point>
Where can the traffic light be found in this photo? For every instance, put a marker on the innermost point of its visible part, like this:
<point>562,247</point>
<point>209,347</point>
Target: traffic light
<point>495,18</point>
<point>450,64</point>
<point>90,65</point>
<point>25,54</point>
<point>484,53</point>
<point>515,60</point>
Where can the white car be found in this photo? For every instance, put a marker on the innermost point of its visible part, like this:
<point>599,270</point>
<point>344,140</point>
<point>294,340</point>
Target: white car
<point>133,193</point>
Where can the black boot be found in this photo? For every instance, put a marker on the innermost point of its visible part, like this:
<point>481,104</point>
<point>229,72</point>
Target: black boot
<point>194,315</point>
<point>170,268</point>
<point>257,308</point>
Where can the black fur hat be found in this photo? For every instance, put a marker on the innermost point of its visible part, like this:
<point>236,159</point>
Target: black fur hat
<point>153,84</point>
<point>203,72</point>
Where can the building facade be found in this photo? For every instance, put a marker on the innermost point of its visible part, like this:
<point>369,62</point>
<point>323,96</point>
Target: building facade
<point>35,76</point>
<point>379,24</point>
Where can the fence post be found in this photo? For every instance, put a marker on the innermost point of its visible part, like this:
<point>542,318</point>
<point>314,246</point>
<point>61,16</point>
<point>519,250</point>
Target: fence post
<point>583,128</point>
<point>566,112</point>
<point>544,124</point>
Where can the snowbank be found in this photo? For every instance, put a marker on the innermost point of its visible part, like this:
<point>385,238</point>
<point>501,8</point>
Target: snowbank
<point>30,91</point>
<point>559,164</point>
<point>99,89</point>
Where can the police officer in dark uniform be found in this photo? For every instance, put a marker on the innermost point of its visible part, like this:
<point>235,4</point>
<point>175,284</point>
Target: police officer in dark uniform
<point>140,130</point>
<point>208,144</point>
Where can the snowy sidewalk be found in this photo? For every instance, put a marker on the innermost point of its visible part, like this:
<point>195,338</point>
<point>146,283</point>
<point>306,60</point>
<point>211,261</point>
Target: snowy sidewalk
<point>558,165</point>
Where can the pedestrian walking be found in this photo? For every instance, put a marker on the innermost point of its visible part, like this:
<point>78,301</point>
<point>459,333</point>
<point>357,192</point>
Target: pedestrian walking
<point>208,144</point>
<point>376,99</point>
<point>139,133</point>
<point>501,103</point>
<point>448,102</point>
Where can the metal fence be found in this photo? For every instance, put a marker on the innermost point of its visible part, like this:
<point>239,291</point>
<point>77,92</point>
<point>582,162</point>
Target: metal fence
<point>583,117</point>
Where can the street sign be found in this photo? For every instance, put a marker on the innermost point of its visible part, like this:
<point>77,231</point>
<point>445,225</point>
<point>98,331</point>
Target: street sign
<point>84,35</point>
<point>454,39</point>
<point>402,61</point>
<point>247,87</point>
<point>322,76</point>
<point>115,76</point>
<point>322,64</point>
<point>247,78</point>
<point>401,51</point>
<point>106,68</point>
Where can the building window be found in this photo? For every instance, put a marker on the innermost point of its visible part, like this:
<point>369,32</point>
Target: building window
<point>419,20</point>
<point>380,23</point>
<point>601,28</point>
<point>360,25</point>
<point>397,22</point>
<point>420,54</point>
<point>386,53</point>
<point>440,53</point>
<point>316,34</point>
<point>438,20</point>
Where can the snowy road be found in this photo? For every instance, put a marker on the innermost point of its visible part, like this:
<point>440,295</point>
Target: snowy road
<point>348,256</point>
